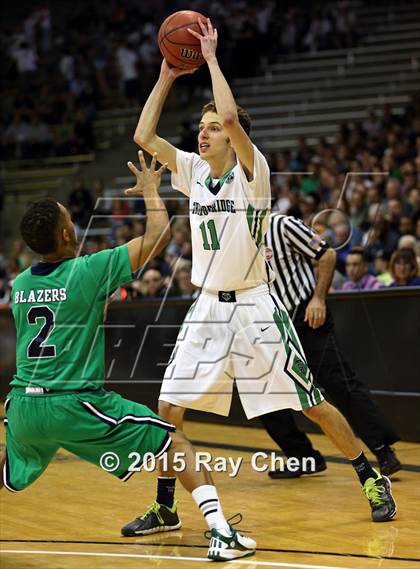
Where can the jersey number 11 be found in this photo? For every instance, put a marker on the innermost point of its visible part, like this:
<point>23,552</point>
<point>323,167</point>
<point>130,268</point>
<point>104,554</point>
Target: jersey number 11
<point>213,235</point>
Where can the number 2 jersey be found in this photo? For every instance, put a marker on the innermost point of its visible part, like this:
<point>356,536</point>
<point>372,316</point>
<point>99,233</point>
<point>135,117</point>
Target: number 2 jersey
<point>58,310</point>
<point>228,222</point>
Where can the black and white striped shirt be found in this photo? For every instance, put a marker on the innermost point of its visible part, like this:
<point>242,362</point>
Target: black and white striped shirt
<point>290,246</point>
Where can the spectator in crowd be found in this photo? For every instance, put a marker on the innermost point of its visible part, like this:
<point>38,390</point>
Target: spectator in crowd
<point>404,268</point>
<point>382,268</point>
<point>381,235</point>
<point>357,272</point>
<point>154,286</point>
<point>406,225</point>
<point>128,61</point>
<point>407,242</point>
<point>180,245</point>
<point>17,137</point>
<point>26,60</point>
<point>184,286</point>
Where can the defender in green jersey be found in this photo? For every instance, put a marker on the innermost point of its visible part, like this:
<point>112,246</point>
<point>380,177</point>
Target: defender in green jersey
<point>57,398</point>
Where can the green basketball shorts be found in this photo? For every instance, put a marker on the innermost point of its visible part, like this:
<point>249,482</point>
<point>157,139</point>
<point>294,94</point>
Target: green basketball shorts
<point>98,426</point>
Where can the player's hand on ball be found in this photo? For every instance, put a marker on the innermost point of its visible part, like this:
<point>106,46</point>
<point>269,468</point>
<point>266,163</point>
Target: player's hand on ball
<point>208,39</point>
<point>147,179</point>
<point>174,72</point>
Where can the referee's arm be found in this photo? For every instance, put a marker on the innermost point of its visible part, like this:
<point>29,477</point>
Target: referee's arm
<point>304,240</point>
<point>316,310</point>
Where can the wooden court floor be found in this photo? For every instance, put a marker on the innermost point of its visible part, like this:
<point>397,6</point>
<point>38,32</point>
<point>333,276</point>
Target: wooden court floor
<point>71,517</point>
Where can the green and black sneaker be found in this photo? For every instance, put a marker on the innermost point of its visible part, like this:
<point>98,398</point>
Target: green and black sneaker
<point>378,492</point>
<point>157,518</point>
<point>225,546</point>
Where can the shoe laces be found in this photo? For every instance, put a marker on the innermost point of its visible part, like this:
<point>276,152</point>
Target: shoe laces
<point>374,492</point>
<point>232,521</point>
<point>152,509</point>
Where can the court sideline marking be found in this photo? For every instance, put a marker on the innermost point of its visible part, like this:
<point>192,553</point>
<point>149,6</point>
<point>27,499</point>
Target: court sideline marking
<point>197,546</point>
<point>170,557</point>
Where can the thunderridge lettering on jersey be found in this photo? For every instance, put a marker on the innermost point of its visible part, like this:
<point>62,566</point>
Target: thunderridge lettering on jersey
<point>41,295</point>
<point>218,206</point>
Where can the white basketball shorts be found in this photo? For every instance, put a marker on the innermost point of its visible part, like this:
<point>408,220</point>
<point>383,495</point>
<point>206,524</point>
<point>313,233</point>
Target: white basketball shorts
<point>251,341</point>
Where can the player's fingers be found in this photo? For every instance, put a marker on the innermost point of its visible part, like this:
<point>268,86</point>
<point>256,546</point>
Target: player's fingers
<point>215,34</point>
<point>195,34</point>
<point>153,162</point>
<point>142,161</point>
<point>202,26</point>
<point>130,191</point>
<point>209,26</point>
<point>133,169</point>
<point>162,168</point>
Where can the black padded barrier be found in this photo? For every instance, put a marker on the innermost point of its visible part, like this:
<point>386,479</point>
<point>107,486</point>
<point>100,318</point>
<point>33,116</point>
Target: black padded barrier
<point>379,331</point>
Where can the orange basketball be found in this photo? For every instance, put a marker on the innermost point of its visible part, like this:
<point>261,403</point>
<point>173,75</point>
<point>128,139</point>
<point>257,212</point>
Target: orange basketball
<point>180,48</point>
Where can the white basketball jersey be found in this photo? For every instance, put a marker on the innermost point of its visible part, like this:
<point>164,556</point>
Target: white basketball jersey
<point>227,229</point>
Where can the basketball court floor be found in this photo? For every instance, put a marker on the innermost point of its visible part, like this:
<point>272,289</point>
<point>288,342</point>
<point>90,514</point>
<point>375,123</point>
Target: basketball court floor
<point>71,517</point>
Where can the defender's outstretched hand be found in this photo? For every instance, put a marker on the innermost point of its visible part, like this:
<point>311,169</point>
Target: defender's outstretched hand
<point>147,179</point>
<point>208,39</point>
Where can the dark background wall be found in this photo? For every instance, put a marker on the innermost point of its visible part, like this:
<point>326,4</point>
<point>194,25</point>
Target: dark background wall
<point>379,332</point>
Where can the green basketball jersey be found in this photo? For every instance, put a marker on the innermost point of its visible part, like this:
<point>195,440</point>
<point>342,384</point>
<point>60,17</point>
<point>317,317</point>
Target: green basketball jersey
<point>59,312</point>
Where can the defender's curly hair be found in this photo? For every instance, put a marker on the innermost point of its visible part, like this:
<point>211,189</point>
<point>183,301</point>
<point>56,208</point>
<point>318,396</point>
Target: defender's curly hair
<point>39,226</point>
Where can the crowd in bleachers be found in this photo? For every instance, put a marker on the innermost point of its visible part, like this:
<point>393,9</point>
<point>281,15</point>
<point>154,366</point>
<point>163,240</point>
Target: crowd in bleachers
<point>60,67</point>
<point>372,220</point>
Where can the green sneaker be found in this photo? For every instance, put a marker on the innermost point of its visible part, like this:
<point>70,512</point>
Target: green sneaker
<point>157,518</point>
<point>224,546</point>
<point>378,492</point>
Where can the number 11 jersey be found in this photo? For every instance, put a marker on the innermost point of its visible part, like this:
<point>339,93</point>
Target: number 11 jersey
<point>229,218</point>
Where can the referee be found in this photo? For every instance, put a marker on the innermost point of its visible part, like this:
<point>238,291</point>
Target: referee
<point>292,246</point>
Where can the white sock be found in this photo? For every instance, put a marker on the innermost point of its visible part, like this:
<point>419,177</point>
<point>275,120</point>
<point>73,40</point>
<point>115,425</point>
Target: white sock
<point>207,500</point>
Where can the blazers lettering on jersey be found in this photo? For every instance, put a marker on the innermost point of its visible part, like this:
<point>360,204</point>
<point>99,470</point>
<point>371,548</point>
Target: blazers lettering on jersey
<point>41,295</point>
<point>292,245</point>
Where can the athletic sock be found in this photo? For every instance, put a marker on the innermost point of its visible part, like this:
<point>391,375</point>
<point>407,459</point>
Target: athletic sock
<point>363,468</point>
<point>382,452</point>
<point>166,490</point>
<point>207,500</point>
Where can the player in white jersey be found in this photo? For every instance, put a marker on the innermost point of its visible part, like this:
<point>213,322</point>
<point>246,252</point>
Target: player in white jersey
<point>236,330</point>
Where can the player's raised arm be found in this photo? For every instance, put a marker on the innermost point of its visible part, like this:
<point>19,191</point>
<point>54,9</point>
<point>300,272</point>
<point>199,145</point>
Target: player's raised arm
<point>145,134</point>
<point>158,234</point>
<point>223,97</point>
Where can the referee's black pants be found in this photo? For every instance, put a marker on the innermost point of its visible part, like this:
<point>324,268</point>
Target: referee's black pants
<point>343,388</point>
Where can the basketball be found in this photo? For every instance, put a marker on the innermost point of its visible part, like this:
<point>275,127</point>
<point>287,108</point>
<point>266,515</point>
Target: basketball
<point>180,48</point>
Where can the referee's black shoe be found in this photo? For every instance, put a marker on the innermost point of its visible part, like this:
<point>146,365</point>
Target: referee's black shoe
<point>388,461</point>
<point>305,468</point>
<point>378,492</point>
